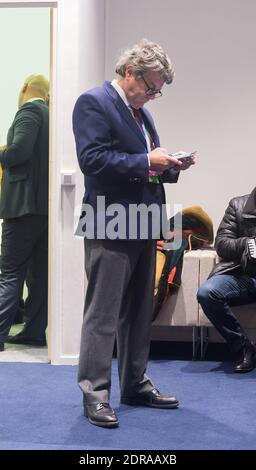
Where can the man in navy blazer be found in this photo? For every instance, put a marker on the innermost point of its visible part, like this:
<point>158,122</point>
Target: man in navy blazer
<point>124,169</point>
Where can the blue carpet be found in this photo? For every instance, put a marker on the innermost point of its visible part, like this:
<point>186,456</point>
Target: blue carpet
<point>41,409</point>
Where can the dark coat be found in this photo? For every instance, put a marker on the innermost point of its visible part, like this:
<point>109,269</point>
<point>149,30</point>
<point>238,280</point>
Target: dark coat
<point>237,225</point>
<point>112,152</point>
<point>25,163</point>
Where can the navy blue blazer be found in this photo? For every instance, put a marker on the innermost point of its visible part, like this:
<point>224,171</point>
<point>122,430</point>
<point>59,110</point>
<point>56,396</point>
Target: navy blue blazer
<point>112,152</point>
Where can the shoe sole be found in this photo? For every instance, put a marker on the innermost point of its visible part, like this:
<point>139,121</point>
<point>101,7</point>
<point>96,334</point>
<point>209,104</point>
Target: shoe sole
<point>150,405</point>
<point>102,424</point>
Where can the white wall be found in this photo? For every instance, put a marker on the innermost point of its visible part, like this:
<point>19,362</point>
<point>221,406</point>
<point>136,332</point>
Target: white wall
<point>22,54</point>
<point>211,105</point>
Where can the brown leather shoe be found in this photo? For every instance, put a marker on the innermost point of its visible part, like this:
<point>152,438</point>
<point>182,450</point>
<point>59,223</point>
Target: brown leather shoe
<point>247,359</point>
<point>101,414</point>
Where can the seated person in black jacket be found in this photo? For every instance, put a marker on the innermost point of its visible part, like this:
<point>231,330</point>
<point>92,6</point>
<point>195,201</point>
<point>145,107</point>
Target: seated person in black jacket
<point>227,284</point>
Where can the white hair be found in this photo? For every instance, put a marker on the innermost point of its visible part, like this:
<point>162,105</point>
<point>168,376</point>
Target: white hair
<point>146,56</point>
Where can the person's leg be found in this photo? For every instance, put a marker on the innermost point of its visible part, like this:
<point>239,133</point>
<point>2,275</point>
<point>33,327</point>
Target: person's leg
<point>134,334</point>
<point>134,327</point>
<point>108,268</point>
<point>36,304</point>
<point>19,315</point>
<point>216,296</point>
<point>13,263</point>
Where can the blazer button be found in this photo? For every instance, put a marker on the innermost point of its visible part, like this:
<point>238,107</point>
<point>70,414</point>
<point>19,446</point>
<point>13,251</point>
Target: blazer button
<point>134,180</point>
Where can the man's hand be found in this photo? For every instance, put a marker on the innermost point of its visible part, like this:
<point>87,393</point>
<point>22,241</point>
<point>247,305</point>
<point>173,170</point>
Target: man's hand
<point>161,161</point>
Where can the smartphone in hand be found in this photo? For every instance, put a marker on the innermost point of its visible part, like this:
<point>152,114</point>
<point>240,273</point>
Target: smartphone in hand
<point>183,155</point>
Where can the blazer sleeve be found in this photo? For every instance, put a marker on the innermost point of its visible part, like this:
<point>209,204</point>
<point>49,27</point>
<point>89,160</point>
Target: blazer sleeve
<point>170,176</point>
<point>99,154</point>
<point>25,130</point>
<point>229,245</point>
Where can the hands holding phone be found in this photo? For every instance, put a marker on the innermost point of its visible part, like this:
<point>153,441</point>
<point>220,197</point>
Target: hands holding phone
<point>160,160</point>
<point>186,158</point>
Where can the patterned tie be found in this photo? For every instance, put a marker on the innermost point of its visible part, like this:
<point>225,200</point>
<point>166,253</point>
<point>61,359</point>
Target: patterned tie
<point>153,177</point>
<point>138,118</point>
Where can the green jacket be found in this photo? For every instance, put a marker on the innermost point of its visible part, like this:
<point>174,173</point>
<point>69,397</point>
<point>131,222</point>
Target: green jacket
<point>25,163</point>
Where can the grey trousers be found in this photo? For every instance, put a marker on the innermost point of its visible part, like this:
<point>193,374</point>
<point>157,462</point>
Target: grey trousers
<point>118,304</point>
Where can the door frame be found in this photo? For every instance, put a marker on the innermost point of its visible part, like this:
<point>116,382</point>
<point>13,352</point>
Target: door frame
<point>77,64</point>
<point>52,5</point>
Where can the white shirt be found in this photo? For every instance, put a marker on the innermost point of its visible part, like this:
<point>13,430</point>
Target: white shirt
<point>122,95</point>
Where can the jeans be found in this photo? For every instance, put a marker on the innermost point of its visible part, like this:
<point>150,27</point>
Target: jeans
<point>216,296</point>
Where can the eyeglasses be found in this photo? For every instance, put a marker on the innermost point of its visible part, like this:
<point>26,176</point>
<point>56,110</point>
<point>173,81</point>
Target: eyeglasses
<point>151,89</point>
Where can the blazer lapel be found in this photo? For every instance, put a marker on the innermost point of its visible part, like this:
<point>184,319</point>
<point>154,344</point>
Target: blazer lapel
<point>124,111</point>
<point>150,126</point>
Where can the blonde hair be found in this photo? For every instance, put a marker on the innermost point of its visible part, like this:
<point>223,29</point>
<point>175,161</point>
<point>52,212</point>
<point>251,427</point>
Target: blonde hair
<point>40,84</point>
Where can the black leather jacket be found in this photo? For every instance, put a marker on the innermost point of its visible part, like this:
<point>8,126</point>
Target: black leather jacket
<point>238,224</point>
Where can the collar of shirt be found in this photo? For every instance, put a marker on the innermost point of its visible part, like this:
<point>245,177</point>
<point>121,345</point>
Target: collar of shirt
<point>121,92</point>
<point>34,99</point>
<point>122,95</point>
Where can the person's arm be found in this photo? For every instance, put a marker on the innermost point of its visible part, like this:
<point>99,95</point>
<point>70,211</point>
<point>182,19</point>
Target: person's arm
<point>228,244</point>
<point>26,125</point>
<point>172,175</point>
<point>95,144</point>
<point>99,155</point>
